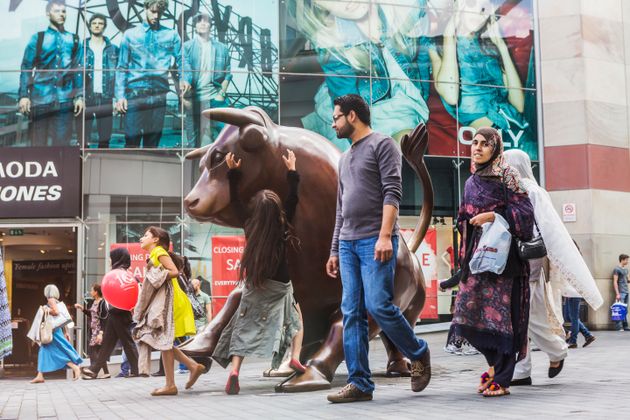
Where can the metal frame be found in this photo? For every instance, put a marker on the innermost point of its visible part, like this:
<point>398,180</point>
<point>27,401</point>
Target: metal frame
<point>539,103</point>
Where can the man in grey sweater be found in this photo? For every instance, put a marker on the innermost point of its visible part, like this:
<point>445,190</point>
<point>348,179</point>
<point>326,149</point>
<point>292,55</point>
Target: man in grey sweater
<point>364,247</point>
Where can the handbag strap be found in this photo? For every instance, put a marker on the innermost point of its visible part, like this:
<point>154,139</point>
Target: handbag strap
<point>506,201</point>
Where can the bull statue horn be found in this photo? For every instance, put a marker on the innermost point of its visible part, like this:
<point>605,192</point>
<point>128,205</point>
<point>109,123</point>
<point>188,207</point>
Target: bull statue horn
<point>234,116</point>
<point>197,153</point>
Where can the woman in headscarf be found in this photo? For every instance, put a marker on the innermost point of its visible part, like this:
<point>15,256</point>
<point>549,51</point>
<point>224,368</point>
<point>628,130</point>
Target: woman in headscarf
<point>491,310</point>
<point>566,267</point>
<point>118,326</point>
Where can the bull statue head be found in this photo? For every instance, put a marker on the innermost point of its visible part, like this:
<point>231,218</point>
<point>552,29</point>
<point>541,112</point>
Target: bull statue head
<point>253,137</point>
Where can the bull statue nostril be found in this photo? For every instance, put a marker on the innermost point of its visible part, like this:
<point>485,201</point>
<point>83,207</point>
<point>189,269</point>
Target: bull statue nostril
<point>191,203</point>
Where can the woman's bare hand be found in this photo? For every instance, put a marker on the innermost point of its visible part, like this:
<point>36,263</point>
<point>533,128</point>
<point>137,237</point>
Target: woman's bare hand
<point>482,218</point>
<point>231,161</point>
<point>289,160</point>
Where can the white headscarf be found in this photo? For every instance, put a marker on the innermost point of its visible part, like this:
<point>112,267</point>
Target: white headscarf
<point>566,262</point>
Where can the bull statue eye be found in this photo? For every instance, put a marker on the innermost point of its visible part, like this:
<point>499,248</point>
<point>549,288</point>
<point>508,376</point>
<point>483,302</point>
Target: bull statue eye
<point>216,159</point>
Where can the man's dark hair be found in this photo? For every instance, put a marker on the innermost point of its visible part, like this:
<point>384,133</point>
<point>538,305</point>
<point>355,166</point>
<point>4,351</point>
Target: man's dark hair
<point>623,257</point>
<point>161,5</point>
<point>201,16</point>
<point>356,103</point>
<point>50,3</point>
<point>98,16</point>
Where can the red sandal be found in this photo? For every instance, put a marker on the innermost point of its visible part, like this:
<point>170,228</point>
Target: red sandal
<point>496,390</point>
<point>297,366</point>
<point>485,382</point>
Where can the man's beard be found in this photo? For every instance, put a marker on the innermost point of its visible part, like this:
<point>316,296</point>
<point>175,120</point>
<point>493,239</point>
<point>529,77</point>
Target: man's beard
<point>345,132</point>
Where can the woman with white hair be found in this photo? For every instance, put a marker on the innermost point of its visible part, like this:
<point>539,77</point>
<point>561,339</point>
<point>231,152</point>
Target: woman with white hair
<point>59,353</point>
<point>566,268</point>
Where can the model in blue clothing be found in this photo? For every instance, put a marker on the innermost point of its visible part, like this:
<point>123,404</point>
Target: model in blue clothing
<point>475,74</point>
<point>59,353</point>
<point>51,81</point>
<point>373,50</point>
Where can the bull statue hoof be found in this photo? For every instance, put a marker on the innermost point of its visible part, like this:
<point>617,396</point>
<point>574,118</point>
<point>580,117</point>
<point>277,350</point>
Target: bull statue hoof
<point>311,380</point>
<point>398,369</point>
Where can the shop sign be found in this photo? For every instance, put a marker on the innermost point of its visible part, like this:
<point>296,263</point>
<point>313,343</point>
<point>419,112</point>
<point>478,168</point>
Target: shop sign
<point>40,182</point>
<point>44,267</point>
<point>427,255</point>
<point>226,262</point>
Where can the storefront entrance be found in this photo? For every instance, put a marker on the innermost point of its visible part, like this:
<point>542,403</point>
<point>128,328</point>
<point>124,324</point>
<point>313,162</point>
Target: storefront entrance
<point>34,257</point>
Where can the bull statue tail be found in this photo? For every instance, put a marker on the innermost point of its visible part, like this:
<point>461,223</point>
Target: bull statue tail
<point>414,146</point>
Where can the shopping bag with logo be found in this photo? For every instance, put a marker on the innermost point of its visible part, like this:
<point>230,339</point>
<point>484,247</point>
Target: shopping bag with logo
<point>618,311</point>
<point>493,248</point>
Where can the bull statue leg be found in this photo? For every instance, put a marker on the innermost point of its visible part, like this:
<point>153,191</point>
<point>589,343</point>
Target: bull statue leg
<point>204,343</point>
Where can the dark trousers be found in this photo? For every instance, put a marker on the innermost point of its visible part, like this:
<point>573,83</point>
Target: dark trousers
<point>99,109</point>
<point>52,121</point>
<point>503,363</point>
<point>117,328</point>
<point>93,352</point>
<point>573,311</point>
<point>145,119</point>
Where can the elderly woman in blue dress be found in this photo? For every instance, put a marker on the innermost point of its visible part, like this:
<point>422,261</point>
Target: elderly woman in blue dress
<point>59,353</point>
<point>475,74</point>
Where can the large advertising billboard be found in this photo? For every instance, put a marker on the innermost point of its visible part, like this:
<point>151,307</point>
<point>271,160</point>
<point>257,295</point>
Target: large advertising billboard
<point>133,73</point>
<point>455,65</point>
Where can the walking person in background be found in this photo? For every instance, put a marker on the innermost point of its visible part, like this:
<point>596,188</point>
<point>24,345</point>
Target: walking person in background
<point>364,249</point>
<point>163,312</point>
<point>59,353</point>
<point>268,318</point>
<point>565,267</point>
<point>491,310</point>
<point>205,301</point>
<point>620,283</point>
<point>117,327</point>
<point>98,314</point>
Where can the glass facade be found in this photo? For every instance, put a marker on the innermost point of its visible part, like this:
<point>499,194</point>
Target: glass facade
<point>95,75</point>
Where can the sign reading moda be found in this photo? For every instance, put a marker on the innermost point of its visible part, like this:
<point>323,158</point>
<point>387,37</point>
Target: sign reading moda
<point>40,182</point>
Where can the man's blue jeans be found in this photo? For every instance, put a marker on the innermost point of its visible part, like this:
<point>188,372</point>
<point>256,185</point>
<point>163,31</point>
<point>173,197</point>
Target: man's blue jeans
<point>52,121</point>
<point>368,287</point>
<point>573,308</point>
<point>620,325</point>
<point>145,119</point>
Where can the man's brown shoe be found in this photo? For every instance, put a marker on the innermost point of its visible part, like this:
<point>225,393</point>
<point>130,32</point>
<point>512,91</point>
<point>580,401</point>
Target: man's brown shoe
<point>421,372</point>
<point>349,393</point>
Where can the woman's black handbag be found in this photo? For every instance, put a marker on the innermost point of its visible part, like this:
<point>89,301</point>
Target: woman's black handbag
<point>528,250</point>
<point>531,250</point>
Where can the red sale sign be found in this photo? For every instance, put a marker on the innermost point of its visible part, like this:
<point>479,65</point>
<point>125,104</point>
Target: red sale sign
<point>427,255</point>
<point>226,262</point>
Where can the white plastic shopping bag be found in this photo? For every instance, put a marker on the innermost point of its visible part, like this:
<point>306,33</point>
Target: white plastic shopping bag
<point>494,246</point>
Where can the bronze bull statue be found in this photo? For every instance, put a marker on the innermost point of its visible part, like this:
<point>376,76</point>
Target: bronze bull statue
<point>252,136</point>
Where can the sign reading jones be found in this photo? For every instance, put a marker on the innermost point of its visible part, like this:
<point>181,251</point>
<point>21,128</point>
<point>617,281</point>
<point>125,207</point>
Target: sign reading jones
<point>40,182</point>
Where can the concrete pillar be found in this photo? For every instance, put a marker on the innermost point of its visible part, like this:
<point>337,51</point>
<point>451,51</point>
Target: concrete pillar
<point>585,63</point>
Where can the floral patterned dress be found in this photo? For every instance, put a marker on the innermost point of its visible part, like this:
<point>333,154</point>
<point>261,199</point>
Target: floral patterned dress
<point>492,311</point>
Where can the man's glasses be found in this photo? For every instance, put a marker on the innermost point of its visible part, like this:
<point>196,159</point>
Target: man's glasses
<point>336,117</point>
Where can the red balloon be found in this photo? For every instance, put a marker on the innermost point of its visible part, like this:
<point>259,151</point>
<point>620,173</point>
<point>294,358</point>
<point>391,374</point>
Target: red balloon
<point>120,289</point>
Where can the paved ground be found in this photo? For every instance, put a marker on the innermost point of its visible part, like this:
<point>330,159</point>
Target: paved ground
<point>595,384</point>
